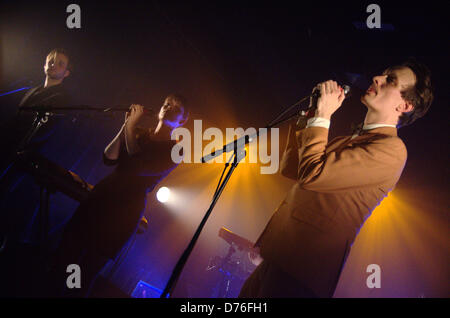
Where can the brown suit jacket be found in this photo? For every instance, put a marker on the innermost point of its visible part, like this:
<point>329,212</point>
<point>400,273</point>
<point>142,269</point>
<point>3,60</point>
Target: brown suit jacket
<point>338,185</point>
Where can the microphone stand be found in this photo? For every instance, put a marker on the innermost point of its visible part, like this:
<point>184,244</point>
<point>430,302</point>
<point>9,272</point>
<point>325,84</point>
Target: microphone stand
<point>43,112</point>
<point>237,147</point>
<point>51,109</point>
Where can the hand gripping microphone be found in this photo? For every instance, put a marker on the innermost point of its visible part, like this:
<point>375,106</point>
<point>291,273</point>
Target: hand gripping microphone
<point>305,115</point>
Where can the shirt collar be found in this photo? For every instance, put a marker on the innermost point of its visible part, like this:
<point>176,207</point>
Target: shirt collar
<point>373,126</point>
<point>385,129</point>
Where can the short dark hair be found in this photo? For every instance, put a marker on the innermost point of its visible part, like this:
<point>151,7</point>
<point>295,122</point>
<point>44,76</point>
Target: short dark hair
<point>420,95</point>
<point>64,52</point>
<point>183,101</point>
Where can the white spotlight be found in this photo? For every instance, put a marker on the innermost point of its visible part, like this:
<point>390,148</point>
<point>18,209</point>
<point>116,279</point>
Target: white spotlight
<point>163,194</point>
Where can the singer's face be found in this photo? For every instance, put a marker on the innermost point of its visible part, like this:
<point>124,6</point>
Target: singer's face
<point>56,66</point>
<point>171,112</point>
<point>385,93</point>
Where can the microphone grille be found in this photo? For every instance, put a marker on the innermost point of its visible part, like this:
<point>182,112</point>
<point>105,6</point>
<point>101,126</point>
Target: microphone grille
<point>346,89</point>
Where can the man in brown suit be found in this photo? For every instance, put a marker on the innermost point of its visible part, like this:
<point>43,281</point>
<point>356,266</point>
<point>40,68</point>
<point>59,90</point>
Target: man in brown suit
<point>338,184</point>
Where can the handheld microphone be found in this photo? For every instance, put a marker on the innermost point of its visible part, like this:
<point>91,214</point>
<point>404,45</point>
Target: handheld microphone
<point>305,115</point>
<point>316,94</point>
<point>316,91</point>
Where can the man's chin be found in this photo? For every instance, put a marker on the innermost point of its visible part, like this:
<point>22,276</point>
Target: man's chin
<point>53,76</point>
<point>364,99</point>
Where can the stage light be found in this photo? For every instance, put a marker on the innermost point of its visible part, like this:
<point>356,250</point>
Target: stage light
<point>163,194</point>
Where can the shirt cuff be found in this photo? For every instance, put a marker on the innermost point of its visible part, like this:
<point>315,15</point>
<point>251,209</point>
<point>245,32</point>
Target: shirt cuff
<point>318,122</point>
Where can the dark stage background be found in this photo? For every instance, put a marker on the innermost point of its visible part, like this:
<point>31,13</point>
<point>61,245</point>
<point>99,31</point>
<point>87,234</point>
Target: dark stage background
<point>239,63</point>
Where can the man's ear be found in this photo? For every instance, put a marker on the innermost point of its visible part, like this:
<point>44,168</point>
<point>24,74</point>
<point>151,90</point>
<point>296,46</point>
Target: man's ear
<point>405,107</point>
<point>67,73</point>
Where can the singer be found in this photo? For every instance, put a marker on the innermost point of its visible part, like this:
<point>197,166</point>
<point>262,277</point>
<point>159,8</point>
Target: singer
<point>109,217</point>
<point>337,184</point>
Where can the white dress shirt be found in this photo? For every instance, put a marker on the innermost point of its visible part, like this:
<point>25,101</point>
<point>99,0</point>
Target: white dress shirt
<point>325,123</point>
